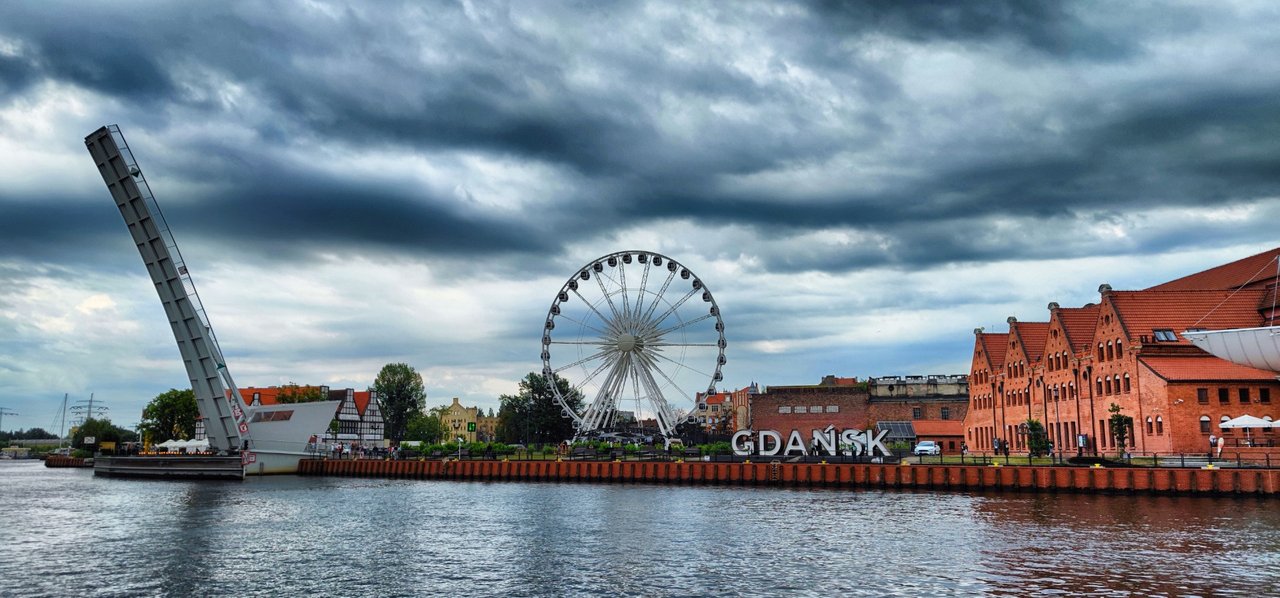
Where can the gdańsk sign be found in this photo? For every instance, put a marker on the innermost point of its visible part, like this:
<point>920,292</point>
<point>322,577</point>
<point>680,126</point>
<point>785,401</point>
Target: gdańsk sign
<point>850,442</point>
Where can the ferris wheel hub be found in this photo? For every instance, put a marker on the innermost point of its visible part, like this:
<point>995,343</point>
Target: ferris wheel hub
<point>627,342</point>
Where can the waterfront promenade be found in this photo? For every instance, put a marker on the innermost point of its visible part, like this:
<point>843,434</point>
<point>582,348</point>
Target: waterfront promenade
<point>1201,481</point>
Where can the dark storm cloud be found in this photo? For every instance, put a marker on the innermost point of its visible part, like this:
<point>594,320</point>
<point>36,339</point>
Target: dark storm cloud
<point>1046,27</point>
<point>656,119</point>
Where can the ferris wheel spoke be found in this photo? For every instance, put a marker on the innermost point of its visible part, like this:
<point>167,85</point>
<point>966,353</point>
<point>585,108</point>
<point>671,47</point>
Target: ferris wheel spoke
<point>658,297</point>
<point>597,355</point>
<point>670,310</point>
<point>603,365</point>
<point>667,331</point>
<point>613,309</point>
<point>593,343</point>
<point>585,325</point>
<point>622,282</point>
<point>644,280</point>
<point>665,344</point>
<point>662,410</point>
<point>681,365</point>
<point>651,366</point>
<point>604,399</point>
<point>591,307</point>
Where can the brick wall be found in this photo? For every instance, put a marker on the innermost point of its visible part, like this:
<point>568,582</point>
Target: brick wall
<point>850,402</point>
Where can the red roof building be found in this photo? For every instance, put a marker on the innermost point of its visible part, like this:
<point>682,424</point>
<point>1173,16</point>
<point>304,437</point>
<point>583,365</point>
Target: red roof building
<point>1126,350</point>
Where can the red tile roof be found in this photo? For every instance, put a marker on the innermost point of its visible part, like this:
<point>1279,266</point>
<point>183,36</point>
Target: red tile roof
<point>1203,368</point>
<point>1033,336</point>
<point>362,400</point>
<point>938,427</point>
<point>994,345</point>
<point>1229,276</point>
<point>1141,312</point>
<point>717,398</point>
<point>1079,324</point>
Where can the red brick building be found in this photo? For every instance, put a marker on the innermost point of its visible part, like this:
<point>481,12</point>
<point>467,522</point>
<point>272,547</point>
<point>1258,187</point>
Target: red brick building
<point>935,406</point>
<point>808,408</point>
<point>1127,350</point>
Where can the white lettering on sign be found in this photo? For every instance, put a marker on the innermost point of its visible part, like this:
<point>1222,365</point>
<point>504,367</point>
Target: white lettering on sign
<point>851,443</point>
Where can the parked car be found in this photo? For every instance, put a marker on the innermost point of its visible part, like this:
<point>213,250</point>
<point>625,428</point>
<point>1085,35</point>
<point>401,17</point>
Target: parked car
<point>927,447</point>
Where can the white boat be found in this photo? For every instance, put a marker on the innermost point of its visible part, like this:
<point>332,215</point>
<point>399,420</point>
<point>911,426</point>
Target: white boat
<point>1253,347</point>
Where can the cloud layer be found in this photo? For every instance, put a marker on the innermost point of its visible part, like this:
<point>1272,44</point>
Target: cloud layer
<point>860,185</point>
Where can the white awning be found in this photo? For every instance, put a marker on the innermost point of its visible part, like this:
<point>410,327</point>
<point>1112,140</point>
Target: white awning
<point>1253,347</point>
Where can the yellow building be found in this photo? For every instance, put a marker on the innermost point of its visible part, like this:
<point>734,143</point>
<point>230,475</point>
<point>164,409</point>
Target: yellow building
<point>470,423</point>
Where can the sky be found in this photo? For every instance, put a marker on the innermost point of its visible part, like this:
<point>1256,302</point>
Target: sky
<point>859,184</point>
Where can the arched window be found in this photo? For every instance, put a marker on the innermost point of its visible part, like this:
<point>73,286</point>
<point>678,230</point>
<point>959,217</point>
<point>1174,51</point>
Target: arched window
<point>1101,354</point>
<point>1126,382</point>
<point>1204,424</point>
<point>1111,351</point>
<point>1119,349</point>
<point>1071,390</point>
<point>1108,381</point>
<point>1099,381</point>
<point>1159,425</point>
<point>1151,426</point>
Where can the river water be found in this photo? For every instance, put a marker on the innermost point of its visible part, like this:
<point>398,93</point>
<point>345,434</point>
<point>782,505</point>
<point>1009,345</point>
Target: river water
<point>64,532</point>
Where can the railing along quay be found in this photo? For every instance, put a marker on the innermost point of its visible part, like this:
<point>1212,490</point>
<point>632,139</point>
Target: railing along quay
<point>1163,480</point>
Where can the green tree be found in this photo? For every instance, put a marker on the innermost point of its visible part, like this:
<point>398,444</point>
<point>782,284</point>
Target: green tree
<point>533,415</point>
<point>1121,426</point>
<point>102,430</point>
<point>400,395</point>
<point>425,427</point>
<point>292,393</point>
<point>1037,440</point>
<point>171,415</point>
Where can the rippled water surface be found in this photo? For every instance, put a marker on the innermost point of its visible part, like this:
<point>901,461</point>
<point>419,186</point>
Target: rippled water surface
<point>64,532</point>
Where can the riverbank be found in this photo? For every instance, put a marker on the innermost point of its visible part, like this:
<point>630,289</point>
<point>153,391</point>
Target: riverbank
<point>1163,481</point>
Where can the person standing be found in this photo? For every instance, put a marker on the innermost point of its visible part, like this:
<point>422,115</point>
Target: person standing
<point>1213,443</point>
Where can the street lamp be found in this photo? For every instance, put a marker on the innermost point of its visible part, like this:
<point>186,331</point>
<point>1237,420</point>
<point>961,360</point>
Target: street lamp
<point>457,424</point>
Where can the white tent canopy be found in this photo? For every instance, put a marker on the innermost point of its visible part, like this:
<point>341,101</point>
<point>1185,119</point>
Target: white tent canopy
<point>198,445</point>
<point>1246,421</point>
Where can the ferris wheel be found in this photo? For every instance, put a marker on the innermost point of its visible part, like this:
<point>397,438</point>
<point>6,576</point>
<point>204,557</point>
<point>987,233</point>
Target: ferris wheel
<point>633,330</point>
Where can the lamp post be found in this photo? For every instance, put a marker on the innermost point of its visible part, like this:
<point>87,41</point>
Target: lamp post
<point>456,424</point>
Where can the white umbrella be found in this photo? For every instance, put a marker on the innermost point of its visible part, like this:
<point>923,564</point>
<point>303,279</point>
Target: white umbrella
<point>169,444</point>
<point>1246,422</point>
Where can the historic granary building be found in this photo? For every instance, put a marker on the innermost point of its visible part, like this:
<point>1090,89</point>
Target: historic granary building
<point>1127,350</point>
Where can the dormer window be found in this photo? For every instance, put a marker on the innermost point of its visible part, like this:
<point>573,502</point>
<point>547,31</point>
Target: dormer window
<point>1164,335</point>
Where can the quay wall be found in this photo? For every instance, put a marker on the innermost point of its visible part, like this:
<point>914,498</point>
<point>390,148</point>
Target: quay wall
<point>1257,482</point>
<point>64,461</point>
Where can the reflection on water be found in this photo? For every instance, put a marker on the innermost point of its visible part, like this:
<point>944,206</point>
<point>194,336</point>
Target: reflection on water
<point>64,532</point>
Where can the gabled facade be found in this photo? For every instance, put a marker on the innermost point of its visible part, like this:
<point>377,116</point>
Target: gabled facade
<point>985,415</point>
<point>1127,350</point>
